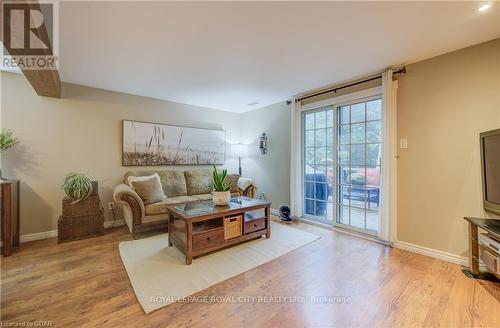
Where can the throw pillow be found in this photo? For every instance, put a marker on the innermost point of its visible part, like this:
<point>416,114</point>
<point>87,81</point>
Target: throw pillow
<point>150,190</point>
<point>232,179</point>
<point>142,178</point>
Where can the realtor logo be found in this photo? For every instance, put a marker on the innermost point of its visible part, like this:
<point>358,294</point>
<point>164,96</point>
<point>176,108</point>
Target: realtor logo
<point>28,35</point>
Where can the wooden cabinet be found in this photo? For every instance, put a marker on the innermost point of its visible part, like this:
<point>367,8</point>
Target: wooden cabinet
<point>9,193</point>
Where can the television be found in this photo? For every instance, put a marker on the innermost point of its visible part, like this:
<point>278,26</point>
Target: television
<point>490,170</point>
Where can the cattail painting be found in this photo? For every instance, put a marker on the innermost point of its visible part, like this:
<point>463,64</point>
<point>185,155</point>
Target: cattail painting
<point>149,144</point>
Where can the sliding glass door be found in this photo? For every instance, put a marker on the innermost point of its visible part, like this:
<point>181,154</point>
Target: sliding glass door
<point>359,153</point>
<point>342,165</point>
<point>319,166</point>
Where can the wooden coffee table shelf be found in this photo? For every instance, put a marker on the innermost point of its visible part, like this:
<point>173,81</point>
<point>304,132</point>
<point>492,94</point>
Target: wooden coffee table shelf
<point>198,228</point>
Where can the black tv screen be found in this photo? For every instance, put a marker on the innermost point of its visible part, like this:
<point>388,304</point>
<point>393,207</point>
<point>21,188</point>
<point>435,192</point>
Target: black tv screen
<point>490,146</point>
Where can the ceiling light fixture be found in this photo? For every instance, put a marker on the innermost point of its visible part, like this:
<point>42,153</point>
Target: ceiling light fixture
<point>253,103</point>
<point>485,7</point>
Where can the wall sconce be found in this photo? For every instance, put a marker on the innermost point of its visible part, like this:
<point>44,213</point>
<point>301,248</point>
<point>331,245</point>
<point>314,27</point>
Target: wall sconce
<point>263,144</point>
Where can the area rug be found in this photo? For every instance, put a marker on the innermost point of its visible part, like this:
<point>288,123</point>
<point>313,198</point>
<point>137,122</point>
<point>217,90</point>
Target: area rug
<point>160,276</point>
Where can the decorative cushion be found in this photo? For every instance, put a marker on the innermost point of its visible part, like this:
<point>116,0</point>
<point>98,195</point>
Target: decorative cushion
<point>232,179</point>
<point>149,190</point>
<point>161,207</point>
<point>131,178</point>
<point>138,173</point>
<point>173,182</point>
<point>198,182</point>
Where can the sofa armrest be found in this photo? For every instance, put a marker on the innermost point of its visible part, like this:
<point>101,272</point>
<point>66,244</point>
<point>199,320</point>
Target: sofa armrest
<point>126,196</point>
<point>247,187</point>
<point>250,192</point>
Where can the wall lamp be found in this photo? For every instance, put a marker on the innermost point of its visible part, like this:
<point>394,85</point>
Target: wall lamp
<point>263,143</point>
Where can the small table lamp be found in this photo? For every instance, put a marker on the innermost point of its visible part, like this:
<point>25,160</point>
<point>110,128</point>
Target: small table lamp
<point>239,150</point>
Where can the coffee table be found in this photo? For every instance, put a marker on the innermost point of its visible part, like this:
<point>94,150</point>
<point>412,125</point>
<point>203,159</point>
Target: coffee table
<point>201,227</point>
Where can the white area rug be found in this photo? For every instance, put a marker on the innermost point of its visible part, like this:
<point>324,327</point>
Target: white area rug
<point>160,276</point>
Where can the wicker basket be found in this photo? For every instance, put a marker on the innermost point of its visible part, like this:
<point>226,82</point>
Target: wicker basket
<point>232,227</point>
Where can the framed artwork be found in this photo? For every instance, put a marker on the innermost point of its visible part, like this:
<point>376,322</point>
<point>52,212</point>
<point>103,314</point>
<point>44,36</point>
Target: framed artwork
<point>152,144</point>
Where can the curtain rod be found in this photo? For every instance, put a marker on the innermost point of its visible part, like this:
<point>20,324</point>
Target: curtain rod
<point>399,71</point>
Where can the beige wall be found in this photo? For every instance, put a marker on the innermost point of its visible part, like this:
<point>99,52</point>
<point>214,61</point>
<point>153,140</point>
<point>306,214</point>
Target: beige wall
<point>443,105</point>
<point>82,133</point>
<point>271,172</point>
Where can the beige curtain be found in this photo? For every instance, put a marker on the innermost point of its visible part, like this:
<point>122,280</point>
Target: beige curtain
<point>296,164</point>
<point>388,210</point>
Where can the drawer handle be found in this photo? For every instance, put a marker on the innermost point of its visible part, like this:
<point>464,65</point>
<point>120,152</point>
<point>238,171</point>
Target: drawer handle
<point>255,226</point>
<point>208,238</point>
<point>232,220</point>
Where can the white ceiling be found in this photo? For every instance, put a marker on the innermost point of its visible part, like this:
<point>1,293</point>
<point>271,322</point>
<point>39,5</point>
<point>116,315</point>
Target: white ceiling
<point>228,55</point>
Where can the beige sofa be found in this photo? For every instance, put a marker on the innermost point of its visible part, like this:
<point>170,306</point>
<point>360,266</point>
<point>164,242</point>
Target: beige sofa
<point>179,187</point>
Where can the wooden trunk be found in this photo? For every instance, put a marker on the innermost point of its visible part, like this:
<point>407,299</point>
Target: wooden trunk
<point>88,206</point>
<point>80,220</point>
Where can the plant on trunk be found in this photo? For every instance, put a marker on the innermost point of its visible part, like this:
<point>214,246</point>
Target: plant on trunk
<point>77,186</point>
<point>7,139</point>
<point>219,180</point>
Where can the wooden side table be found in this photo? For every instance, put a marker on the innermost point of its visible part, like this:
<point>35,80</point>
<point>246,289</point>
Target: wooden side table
<point>9,193</point>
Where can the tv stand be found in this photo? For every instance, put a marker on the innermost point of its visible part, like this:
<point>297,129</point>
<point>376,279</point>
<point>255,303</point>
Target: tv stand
<point>474,248</point>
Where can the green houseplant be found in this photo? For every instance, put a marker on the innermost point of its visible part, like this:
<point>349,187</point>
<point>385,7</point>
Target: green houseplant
<point>77,186</point>
<point>7,140</point>
<point>221,195</point>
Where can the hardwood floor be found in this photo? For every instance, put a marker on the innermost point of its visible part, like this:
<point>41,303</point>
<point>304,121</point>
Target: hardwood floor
<point>84,284</point>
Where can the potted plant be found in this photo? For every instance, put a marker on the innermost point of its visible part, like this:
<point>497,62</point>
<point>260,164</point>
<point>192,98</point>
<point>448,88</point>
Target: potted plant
<point>82,213</point>
<point>78,186</point>
<point>7,140</point>
<point>221,195</point>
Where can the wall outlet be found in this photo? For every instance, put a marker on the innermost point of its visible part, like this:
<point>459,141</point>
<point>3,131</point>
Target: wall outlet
<point>111,205</point>
<point>403,143</point>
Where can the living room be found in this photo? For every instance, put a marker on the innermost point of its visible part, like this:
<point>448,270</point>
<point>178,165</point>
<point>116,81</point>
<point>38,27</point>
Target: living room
<point>208,172</point>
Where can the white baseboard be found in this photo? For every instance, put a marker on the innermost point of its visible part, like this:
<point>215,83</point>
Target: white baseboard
<point>440,255</point>
<point>434,253</point>
<point>38,236</point>
<point>53,233</point>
